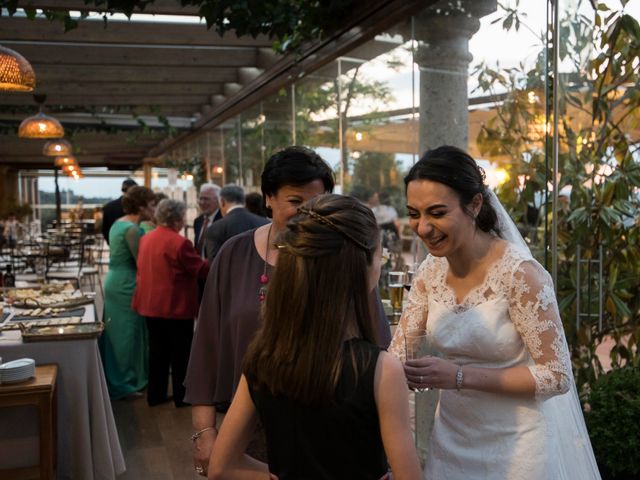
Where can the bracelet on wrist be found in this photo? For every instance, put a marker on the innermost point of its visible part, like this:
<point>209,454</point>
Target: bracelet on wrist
<point>459,378</point>
<point>199,433</point>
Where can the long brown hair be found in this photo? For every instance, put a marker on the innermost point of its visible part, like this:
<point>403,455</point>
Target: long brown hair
<point>319,290</point>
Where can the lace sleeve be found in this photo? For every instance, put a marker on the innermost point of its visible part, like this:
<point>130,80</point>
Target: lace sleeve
<point>414,315</point>
<point>534,312</point>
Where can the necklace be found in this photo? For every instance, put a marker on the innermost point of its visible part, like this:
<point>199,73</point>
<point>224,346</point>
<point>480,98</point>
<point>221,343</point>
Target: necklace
<point>264,278</point>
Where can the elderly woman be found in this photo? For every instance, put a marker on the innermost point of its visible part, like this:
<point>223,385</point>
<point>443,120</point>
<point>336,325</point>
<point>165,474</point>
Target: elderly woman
<point>167,295</point>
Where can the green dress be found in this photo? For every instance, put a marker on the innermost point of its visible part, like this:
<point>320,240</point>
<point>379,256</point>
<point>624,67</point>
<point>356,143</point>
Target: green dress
<point>123,344</point>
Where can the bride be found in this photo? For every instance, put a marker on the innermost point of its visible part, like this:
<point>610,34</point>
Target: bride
<point>508,405</point>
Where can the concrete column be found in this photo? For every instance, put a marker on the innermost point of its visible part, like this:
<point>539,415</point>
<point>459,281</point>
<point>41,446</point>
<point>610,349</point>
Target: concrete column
<point>443,31</point>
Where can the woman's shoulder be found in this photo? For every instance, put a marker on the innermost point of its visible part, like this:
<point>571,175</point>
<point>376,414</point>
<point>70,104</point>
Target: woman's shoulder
<point>522,266</point>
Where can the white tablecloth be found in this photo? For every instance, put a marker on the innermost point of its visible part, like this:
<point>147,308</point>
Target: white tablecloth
<point>88,445</point>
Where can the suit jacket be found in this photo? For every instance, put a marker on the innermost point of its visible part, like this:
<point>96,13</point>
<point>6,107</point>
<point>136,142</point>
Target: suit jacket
<point>197,226</point>
<point>234,222</point>
<point>111,211</point>
<point>167,277</point>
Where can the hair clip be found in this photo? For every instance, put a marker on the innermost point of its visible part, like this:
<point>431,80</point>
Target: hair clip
<point>324,220</point>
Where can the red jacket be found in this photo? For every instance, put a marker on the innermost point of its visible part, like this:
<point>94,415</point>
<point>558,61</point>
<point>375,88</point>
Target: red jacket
<point>168,271</point>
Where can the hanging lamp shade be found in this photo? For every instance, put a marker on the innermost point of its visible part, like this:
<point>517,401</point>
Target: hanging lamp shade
<point>57,148</point>
<point>16,73</point>
<point>40,126</point>
<point>69,169</point>
<point>65,160</point>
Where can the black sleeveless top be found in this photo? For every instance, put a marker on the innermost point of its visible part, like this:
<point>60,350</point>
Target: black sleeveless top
<point>339,441</point>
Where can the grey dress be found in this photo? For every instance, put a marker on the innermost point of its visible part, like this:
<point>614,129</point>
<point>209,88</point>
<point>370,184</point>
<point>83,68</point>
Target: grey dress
<point>229,318</point>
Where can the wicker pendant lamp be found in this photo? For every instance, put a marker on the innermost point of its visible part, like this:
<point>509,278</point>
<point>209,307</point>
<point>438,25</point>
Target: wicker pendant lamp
<point>40,125</point>
<point>57,148</point>
<point>65,160</point>
<point>16,73</point>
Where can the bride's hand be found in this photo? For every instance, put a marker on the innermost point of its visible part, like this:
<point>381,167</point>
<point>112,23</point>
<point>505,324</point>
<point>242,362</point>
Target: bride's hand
<point>431,372</point>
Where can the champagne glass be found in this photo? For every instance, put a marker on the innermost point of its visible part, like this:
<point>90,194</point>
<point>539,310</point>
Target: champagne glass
<point>417,345</point>
<point>396,290</point>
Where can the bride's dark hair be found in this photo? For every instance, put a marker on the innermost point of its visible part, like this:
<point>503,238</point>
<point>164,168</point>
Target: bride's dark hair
<point>456,169</point>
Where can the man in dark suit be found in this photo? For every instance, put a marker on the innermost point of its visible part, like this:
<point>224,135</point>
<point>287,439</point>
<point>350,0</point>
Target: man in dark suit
<point>209,204</point>
<point>236,219</point>
<point>112,210</point>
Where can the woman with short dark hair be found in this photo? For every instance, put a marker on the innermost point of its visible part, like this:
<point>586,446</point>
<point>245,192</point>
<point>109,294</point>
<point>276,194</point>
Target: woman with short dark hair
<point>169,268</point>
<point>236,287</point>
<point>508,405</point>
<point>123,344</point>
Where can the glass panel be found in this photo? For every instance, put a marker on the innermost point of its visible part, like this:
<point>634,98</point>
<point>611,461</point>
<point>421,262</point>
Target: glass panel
<point>508,119</point>
<point>597,218</point>
<point>277,128</point>
<point>316,123</point>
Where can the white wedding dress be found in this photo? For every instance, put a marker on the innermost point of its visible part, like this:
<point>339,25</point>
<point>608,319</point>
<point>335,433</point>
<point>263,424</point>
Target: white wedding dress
<point>511,319</point>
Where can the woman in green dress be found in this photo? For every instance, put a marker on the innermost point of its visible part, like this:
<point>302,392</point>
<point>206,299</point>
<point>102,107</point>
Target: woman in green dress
<point>123,344</point>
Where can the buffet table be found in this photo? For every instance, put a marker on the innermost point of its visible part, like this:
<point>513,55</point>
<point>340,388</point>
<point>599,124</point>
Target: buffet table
<point>88,445</point>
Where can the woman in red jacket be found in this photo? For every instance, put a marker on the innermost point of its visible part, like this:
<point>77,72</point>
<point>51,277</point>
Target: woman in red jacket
<point>167,295</point>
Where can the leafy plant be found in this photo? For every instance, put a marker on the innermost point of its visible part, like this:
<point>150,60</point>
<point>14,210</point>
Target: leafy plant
<point>599,175</point>
<point>612,416</point>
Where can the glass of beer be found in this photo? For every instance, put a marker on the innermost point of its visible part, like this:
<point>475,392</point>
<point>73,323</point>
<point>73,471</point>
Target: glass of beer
<point>396,290</point>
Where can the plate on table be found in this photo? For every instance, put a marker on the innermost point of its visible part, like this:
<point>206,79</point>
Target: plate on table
<point>17,370</point>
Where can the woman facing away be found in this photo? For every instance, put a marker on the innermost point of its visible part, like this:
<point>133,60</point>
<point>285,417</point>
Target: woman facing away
<point>166,294</point>
<point>332,402</point>
<point>508,405</point>
<point>123,345</point>
<point>236,285</point>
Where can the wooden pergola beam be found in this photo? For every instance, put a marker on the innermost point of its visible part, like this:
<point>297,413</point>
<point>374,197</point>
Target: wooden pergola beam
<point>123,32</point>
<point>97,98</point>
<point>158,7</point>
<point>48,53</point>
<point>60,88</point>
<point>135,73</point>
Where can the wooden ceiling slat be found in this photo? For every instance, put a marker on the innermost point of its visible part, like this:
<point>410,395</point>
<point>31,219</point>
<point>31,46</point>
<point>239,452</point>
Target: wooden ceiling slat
<point>97,98</point>
<point>58,88</point>
<point>122,32</point>
<point>61,73</point>
<point>159,7</point>
<point>90,55</point>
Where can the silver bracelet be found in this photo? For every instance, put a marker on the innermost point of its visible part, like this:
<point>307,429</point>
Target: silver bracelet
<point>459,378</point>
<point>199,433</point>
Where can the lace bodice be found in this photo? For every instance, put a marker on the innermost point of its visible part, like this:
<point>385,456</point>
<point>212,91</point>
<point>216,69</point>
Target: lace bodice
<point>523,292</point>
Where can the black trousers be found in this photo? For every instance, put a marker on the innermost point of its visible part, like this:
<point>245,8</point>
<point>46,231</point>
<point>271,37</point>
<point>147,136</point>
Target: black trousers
<point>169,347</point>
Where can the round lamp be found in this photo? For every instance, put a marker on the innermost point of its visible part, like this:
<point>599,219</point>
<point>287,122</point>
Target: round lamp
<point>16,73</point>
<point>40,126</point>
<point>55,148</point>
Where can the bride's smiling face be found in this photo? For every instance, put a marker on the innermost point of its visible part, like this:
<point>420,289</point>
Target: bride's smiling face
<point>436,216</point>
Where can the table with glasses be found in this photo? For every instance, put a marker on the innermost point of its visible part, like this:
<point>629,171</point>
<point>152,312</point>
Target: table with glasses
<point>87,444</point>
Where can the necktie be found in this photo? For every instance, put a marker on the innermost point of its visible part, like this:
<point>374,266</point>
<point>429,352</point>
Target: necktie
<point>203,230</point>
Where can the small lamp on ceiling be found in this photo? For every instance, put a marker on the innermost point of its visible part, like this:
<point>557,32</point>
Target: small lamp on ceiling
<point>57,148</point>
<point>65,160</point>
<point>40,125</point>
<point>16,73</point>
